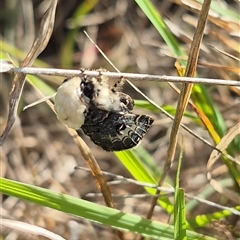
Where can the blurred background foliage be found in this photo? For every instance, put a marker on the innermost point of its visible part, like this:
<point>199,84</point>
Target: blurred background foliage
<point>39,151</point>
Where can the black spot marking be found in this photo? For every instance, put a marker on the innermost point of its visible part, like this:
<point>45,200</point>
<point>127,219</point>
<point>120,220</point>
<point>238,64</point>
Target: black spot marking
<point>88,89</point>
<point>65,80</point>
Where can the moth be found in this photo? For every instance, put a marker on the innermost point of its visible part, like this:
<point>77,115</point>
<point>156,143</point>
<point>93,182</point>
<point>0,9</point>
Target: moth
<point>102,112</point>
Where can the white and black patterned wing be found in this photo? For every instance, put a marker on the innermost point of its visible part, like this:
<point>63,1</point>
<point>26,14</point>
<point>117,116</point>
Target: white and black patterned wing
<point>115,131</point>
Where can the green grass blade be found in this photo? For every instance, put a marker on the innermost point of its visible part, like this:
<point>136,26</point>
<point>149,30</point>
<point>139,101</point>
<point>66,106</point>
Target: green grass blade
<point>43,87</point>
<point>143,104</point>
<point>89,210</point>
<point>142,174</point>
<point>205,219</point>
<point>161,27</point>
<point>146,159</point>
<point>132,163</point>
<point>16,54</point>
<point>180,225</point>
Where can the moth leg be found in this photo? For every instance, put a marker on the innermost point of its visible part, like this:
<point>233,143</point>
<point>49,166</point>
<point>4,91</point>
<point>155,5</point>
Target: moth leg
<point>127,102</point>
<point>117,87</point>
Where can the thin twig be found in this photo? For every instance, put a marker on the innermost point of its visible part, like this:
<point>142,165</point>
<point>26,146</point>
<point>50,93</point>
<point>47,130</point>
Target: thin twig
<point>132,76</point>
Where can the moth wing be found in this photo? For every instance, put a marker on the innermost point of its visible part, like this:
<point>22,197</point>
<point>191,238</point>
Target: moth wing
<point>116,131</point>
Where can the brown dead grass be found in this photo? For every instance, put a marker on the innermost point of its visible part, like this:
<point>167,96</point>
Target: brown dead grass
<point>39,151</point>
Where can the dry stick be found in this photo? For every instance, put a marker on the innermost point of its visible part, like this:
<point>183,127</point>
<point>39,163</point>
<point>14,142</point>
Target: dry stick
<point>131,76</point>
<point>38,46</point>
<point>183,97</point>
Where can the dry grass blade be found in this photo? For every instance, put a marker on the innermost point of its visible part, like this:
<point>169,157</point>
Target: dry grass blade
<point>38,46</point>
<point>184,96</point>
<point>94,168</point>
<point>225,53</point>
<point>219,66</point>
<point>43,36</point>
<point>223,144</point>
<point>202,116</point>
<point>29,229</point>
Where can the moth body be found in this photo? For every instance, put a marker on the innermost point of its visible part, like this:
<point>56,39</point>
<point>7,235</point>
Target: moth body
<point>97,93</point>
<point>104,113</point>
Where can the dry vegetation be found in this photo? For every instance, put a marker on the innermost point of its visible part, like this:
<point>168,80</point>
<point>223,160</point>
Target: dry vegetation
<point>40,151</point>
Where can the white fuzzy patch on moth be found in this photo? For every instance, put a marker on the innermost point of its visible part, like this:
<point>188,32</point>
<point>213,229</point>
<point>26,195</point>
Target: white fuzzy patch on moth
<point>68,106</point>
<point>104,98</point>
<point>108,101</point>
